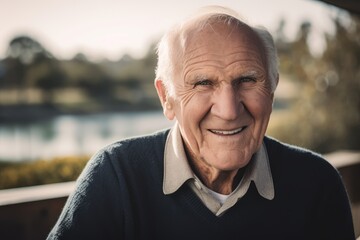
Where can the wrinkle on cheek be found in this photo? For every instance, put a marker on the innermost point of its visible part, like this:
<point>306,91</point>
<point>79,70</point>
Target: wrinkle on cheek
<point>265,92</point>
<point>185,96</point>
<point>190,102</point>
<point>260,91</point>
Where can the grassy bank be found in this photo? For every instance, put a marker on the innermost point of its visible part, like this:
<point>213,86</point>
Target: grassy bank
<point>61,169</point>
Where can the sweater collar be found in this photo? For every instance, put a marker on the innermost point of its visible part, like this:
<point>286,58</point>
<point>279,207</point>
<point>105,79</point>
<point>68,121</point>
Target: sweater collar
<point>177,169</point>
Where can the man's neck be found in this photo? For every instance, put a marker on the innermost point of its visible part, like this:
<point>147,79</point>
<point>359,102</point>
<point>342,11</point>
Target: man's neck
<point>223,182</point>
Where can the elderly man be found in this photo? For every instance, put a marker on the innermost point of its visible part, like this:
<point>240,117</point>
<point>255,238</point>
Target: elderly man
<point>213,175</point>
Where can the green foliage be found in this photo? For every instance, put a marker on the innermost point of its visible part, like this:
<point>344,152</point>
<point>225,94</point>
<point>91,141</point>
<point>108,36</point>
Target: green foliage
<point>326,115</point>
<point>40,172</point>
<point>112,85</point>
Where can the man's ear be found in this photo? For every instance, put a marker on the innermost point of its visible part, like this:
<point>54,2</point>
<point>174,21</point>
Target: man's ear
<point>273,91</point>
<point>166,101</point>
<point>277,81</point>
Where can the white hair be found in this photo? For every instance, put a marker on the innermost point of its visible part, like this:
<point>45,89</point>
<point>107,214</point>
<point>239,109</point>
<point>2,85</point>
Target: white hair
<point>171,47</point>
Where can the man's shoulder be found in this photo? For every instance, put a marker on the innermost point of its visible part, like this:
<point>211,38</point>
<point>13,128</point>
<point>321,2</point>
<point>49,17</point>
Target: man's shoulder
<point>281,149</point>
<point>298,168</point>
<point>138,143</point>
<point>296,158</point>
<point>137,147</point>
<point>130,153</point>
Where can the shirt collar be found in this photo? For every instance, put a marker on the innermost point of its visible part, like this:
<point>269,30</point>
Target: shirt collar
<point>260,173</point>
<point>177,169</point>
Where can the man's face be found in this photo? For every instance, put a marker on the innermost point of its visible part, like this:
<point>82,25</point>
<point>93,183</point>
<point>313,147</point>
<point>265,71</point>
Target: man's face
<point>222,98</point>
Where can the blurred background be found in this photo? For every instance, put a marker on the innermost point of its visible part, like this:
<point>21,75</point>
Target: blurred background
<point>78,75</point>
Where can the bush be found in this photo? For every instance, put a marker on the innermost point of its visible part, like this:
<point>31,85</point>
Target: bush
<point>61,169</point>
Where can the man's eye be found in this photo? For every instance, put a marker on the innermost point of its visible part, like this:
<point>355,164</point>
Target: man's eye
<point>242,80</point>
<point>247,79</point>
<point>203,83</point>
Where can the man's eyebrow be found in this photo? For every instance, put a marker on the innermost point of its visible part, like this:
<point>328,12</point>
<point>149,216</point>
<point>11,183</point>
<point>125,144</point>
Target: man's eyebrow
<point>203,76</point>
<point>251,73</point>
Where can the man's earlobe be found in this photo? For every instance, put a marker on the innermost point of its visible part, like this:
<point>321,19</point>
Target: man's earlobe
<point>168,105</point>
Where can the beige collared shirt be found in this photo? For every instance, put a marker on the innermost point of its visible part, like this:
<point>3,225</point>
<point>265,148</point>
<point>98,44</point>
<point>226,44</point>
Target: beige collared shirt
<point>177,172</point>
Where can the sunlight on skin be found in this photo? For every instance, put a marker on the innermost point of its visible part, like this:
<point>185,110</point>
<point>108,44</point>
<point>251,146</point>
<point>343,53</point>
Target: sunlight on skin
<point>222,102</point>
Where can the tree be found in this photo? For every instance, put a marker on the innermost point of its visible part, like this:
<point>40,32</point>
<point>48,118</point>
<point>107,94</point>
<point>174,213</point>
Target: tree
<point>326,116</point>
<point>30,65</point>
<point>26,49</point>
<point>338,85</point>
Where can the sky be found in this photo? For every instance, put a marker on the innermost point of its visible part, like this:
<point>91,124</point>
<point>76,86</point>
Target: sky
<point>110,28</point>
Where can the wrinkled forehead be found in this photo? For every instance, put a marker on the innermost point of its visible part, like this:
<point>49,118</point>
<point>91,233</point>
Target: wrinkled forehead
<point>212,31</point>
<point>208,27</point>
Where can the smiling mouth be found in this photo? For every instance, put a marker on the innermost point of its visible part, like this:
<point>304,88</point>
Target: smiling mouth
<point>227,132</point>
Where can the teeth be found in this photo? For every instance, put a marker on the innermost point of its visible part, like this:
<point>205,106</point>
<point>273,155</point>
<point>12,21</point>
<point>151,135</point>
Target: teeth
<point>231,132</point>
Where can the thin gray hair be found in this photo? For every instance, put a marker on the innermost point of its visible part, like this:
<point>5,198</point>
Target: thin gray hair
<point>171,47</point>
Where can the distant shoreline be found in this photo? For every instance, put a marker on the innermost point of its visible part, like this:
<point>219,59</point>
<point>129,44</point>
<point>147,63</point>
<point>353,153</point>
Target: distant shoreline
<point>26,113</point>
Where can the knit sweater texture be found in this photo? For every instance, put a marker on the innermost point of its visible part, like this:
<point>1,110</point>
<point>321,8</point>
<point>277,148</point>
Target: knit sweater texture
<point>119,196</point>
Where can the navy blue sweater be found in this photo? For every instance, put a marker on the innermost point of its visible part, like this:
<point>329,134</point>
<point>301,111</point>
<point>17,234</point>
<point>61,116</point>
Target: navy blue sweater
<point>119,196</point>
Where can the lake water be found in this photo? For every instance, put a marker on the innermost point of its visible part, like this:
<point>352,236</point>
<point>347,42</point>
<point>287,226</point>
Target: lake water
<point>74,135</point>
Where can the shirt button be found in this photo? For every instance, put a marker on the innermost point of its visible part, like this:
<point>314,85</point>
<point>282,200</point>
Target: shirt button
<point>197,184</point>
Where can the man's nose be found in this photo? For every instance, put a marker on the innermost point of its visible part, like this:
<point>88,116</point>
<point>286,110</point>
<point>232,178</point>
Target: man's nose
<point>226,103</point>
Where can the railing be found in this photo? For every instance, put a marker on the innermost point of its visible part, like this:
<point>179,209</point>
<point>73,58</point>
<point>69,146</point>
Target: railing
<point>29,213</point>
